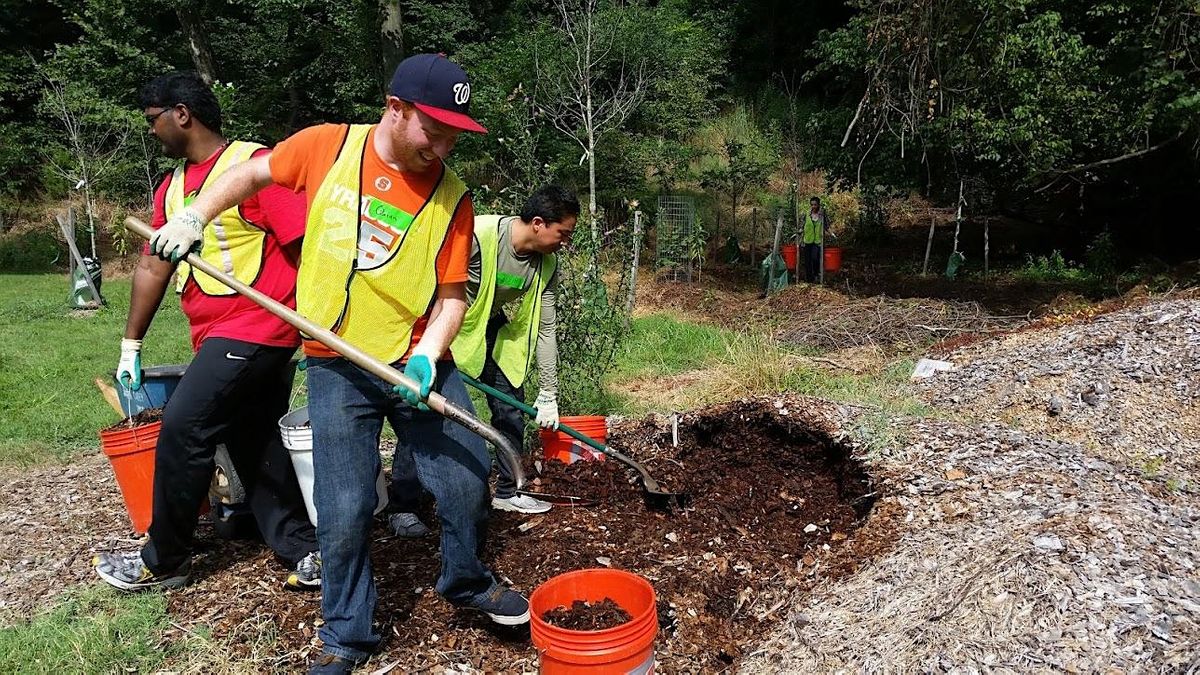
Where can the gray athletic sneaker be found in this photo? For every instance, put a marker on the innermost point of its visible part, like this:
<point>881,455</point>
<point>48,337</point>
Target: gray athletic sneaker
<point>520,504</point>
<point>307,575</point>
<point>407,525</point>
<point>127,572</point>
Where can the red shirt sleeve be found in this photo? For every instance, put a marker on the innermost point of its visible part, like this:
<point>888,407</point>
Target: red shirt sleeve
<point>455,254</point>
<point>278,210</point>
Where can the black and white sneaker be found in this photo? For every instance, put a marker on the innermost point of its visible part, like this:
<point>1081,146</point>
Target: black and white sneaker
<point>307,576</point>
<point>127,572</point>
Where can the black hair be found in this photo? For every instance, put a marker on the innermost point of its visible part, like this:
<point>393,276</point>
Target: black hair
<point>552,203</point>
<point>186,87</point>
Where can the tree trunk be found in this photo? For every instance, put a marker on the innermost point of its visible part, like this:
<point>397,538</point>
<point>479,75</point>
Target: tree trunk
<point>193,27</point>
<point>633,270</point>
<point>591,153</point>
<point>391,36</point>
<point>928,247</point>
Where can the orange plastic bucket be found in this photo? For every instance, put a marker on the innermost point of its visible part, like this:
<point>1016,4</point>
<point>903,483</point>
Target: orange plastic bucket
<point>131,453</point>
<point>559,446</point>
<point>789,253</point>
<point>833,258</point>
<point>628,648</point>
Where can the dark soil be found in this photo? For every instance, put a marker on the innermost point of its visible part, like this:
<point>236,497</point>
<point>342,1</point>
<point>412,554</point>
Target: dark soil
<point>777,508</point>
<point>582,615</point>
<point>147,416</point>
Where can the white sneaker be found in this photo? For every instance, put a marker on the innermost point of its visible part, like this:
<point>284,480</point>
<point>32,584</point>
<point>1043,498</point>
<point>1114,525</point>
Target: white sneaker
<point>520,504</point>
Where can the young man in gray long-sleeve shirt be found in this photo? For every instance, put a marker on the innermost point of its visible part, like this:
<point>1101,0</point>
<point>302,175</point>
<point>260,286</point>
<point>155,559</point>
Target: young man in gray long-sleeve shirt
<point>512,264</point>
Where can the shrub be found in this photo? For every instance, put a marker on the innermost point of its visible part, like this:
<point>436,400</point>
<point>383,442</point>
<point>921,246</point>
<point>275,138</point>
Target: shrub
<point>29,251</point>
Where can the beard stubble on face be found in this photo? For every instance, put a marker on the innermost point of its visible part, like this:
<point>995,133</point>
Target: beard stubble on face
<point>407,153</point>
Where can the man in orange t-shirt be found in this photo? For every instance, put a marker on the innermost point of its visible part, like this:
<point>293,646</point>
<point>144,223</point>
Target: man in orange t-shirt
<point>384,265</point>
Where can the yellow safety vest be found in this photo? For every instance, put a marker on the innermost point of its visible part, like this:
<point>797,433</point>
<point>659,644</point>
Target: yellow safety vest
<point>370,283</point>
<point>231,243</point>
<point>812,229</point>
<point>513,350</point>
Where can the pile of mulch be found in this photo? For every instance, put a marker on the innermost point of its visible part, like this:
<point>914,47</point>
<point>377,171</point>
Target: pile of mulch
<point>777,507</point>
<point>141,418</point>
<point>584,615</point>
<point>823,317</point>
<point>1124,383</point>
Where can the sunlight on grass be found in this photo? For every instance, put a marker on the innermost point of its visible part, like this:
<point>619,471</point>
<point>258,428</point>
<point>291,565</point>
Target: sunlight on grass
<point>92,630</point>
<point>671,365</point>
<point>50,356</point>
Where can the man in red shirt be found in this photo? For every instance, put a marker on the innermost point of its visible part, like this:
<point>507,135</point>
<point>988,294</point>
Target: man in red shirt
<point>237,386</point>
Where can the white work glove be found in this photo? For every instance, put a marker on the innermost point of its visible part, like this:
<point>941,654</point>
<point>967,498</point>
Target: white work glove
<point>174,240</point>
<point>129,369</point>
<point>547,409</point>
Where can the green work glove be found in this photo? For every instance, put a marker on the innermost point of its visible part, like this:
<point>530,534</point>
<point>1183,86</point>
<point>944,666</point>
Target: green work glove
<point>421,369</point>
<point>129,369</point>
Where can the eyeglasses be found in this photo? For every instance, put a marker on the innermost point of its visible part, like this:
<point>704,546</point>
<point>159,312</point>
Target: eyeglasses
<point>151,119</point>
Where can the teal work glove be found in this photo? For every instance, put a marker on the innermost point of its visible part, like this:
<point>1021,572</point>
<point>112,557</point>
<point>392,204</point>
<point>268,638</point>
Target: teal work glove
<point>421,369</point>
<point>129,369</point>
<point>179,236</point>
<point>302,365</point>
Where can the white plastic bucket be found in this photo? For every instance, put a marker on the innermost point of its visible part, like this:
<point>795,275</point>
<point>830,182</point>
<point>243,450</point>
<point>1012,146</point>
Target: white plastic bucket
<point>296,431</point>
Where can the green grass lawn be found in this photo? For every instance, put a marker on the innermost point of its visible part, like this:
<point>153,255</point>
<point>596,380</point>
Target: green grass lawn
<point>50,356</point>
<point>93,630</point>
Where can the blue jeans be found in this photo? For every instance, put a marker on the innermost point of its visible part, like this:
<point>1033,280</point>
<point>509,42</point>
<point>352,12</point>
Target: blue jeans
<point>347,407</point>
<point>404,490</point>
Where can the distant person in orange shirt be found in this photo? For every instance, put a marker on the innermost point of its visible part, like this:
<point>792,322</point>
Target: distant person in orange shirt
<point>384,265</point>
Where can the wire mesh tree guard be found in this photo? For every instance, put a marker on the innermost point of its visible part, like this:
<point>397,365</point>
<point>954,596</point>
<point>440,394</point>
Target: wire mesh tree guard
<point>677,245</point>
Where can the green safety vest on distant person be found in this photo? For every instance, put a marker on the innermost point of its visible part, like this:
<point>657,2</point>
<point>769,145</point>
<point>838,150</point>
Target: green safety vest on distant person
<point>812,229</point>
<point>513,350</point>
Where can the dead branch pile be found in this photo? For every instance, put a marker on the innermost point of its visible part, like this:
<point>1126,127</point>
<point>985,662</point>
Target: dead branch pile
<point>895,324</point>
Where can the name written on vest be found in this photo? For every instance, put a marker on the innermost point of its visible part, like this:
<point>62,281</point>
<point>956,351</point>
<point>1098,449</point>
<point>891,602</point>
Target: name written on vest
<point>382,230</point>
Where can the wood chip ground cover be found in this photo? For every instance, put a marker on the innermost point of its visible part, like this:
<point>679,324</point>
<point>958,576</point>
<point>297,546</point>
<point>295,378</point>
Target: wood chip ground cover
<point>777,509</point>
<point>583,615</point>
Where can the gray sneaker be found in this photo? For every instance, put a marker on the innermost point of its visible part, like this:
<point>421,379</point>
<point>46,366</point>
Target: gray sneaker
<point>520,504</point>
<point>127,572</point>
<point>407,525</point>
<point>307,575</point>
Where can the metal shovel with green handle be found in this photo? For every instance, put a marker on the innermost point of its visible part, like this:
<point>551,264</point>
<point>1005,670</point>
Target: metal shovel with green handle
<point>655,497</point>
<point>436,402</point>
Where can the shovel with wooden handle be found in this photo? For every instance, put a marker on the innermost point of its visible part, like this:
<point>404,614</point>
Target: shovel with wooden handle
<point>436,402</point>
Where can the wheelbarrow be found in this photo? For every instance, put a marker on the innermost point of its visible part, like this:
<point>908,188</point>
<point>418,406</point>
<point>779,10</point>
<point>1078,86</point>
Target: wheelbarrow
<point>505,452</point>
<point>656,497</point>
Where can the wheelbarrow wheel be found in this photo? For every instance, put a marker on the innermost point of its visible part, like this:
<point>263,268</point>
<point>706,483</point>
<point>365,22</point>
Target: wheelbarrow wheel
<point>226,485</point>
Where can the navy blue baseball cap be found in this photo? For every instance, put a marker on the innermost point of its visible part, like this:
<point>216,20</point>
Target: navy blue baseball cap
<point>437,87</point>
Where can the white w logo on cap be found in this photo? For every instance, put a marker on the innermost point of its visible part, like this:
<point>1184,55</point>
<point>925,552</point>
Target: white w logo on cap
<point>462,93</point>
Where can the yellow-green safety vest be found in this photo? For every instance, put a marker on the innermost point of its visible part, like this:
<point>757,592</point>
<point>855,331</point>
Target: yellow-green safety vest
<point>513,350</point>
<point>231,243</point>
<point>812,230</point>
<point>370,283</point>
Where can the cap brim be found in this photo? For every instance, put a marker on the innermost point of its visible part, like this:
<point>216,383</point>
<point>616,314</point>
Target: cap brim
<point>452,119</point>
